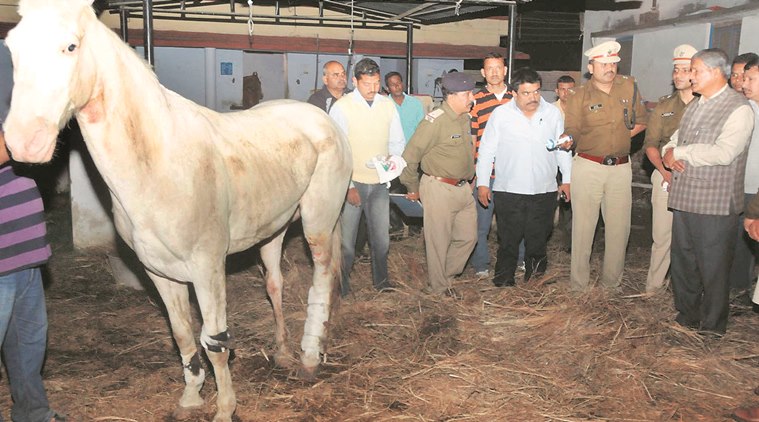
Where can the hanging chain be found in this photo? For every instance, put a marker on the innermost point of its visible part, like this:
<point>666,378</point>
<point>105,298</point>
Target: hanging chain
<point>458,6</point>
<point>250,18</point>
<point>350,42</point>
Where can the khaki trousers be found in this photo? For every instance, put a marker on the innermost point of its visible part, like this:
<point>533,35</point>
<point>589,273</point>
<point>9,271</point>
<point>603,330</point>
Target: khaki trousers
<point>661,231</point>
<point>450,230</point>
<point>597,187</point>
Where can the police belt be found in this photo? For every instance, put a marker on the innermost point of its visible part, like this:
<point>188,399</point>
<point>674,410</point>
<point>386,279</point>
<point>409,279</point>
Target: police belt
<point>608,160</point>
<point>454,182</point>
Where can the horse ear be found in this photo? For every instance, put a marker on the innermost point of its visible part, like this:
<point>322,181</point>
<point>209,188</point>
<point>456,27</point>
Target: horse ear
<point>99,6</point>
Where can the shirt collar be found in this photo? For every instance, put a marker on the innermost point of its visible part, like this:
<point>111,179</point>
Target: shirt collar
<point>361,99</point>
<point>539,112</point>
<point>703,98</point>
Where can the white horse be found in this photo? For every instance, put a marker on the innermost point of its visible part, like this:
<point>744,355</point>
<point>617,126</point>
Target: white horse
<point>189,185</point>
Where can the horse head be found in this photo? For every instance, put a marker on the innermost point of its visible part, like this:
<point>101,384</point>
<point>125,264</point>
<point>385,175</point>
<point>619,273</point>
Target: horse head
<point>51,77</point>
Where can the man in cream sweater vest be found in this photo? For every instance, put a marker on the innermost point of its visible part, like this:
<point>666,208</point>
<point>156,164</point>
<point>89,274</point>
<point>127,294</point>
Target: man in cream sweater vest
<point>374,128</point>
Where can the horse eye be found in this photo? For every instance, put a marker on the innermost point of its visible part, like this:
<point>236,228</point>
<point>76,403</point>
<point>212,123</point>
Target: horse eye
<point>71,47</point>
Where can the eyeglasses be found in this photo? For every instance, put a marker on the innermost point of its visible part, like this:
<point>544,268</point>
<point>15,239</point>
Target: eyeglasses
<point>527,94</point>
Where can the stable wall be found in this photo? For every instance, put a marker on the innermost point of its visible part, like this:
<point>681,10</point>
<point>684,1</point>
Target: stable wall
<point>749,34</point>
<point>652,56</point>
<point>652,46</point>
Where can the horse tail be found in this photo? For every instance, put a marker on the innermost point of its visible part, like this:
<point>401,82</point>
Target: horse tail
<point>335,265</point>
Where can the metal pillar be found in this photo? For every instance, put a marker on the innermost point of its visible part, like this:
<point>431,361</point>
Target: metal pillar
<point>512,30</point>
<point>147,36</point>
<point>409,57</point>
<point>124,23</point>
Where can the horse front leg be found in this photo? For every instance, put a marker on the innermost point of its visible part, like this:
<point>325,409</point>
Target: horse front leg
<point>271,255</point>
<point>212,298</point>
<point>322,296</point>
<point>175,297</point>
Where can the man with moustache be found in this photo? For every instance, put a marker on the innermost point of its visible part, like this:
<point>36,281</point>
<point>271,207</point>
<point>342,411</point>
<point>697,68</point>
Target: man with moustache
<point>564,86</point>
<point>411,111</point>
<point>333,76</point>
<point>525,183</point>
<point>662,123</point>
<point>442,147</point>
<point>602,116</point>
<point>494,94</point>
<point>409,107</point>
<point>373,127</point>
<point>737,68</point>
<point>708,157</point>
<point>742,269</point>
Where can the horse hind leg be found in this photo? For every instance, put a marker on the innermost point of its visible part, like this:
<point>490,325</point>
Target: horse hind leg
<point>271,255</point>
<point>175,297</point>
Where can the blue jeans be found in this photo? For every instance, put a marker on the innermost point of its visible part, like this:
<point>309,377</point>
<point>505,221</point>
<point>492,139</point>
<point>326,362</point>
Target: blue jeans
<point>23,328</point>
<point>375,205</point>
<point>481,256</point>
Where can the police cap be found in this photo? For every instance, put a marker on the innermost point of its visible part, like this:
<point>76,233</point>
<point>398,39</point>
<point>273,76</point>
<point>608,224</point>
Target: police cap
<point>458,81</point>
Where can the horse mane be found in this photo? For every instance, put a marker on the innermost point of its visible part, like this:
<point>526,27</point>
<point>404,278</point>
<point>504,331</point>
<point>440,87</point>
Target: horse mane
<point>131,91</point>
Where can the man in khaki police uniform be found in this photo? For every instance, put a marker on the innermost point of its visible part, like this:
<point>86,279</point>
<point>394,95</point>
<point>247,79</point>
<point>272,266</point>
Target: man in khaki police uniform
<point>442,145</point>
<point>602,116</point>
<point>662,123</point>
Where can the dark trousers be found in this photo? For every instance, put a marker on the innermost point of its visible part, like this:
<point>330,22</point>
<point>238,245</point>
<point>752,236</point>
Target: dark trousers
<point>702,251</point>
<point>742,270</point>
<point>528,217</point>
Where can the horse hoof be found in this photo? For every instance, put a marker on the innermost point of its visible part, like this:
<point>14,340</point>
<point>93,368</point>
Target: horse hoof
<point>308,373</point>
<point>185,413</point>
<point>284,360</point>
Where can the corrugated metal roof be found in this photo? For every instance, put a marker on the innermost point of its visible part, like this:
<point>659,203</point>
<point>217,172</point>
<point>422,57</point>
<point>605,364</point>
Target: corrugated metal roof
<point>409,12</point>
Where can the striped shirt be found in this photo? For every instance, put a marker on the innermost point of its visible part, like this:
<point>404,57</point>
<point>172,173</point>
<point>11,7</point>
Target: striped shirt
<point>22,223</point>
<point>484,104</point>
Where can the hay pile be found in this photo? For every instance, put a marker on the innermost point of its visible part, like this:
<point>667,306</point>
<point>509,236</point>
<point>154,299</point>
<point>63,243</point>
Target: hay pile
<point>534,352</point>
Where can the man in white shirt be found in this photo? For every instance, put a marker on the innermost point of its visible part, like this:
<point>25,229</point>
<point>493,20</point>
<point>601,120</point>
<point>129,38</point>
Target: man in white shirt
<point>525,187</point>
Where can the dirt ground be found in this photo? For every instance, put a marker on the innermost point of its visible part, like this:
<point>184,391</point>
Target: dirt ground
<point>534,352</point>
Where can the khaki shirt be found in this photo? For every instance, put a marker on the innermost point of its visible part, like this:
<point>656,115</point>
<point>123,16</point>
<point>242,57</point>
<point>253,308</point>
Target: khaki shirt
<point>664,120</point>
<point>442,145</point>
<point>596,120</point>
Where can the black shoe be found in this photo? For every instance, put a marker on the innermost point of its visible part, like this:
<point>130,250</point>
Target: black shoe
<point>534,268</point>
<point>740,298</point>
<point>503,283</point>
<point>684,322</point>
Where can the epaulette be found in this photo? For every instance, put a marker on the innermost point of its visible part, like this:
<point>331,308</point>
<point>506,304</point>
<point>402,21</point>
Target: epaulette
<point>434,114</point>
<point>666,97</point>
